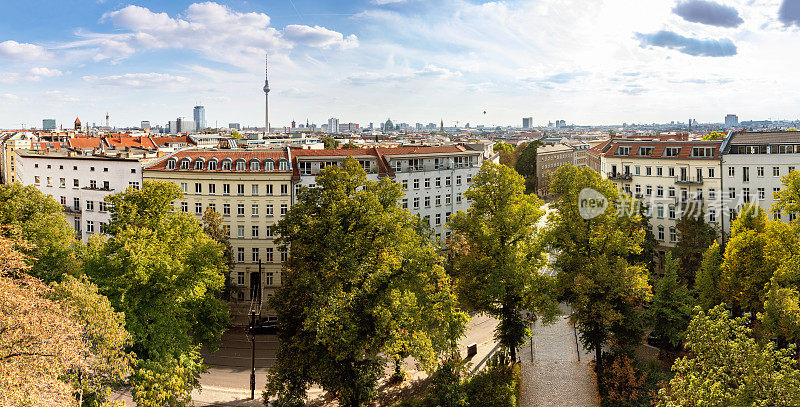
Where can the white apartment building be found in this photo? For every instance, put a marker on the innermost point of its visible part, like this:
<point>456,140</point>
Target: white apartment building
<point>434,178</point>
<point>752,167</point>
<point>79,182</point>
<point>669,176</point>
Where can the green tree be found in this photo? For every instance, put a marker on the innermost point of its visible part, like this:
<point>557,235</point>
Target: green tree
<point>746,269</point>
<point>498,252</point>
<point>707,283</point>
<point>671,309</point>
<point>502,147</point>
<point>236,135</point>
<point>727,367</point>
<point>330,143</point>
<point>213,226</point>
<point>160,269</point>
<point>714,135</point>
<point>604,289</point>
<point>526,164</point>
<point>787,199</point>
<point>38,219</point>
<point>695,237</point>
<point>361,285</point>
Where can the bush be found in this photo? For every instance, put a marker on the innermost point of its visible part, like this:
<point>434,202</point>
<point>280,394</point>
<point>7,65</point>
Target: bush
<point>627,382</point>
<point>497,386</point>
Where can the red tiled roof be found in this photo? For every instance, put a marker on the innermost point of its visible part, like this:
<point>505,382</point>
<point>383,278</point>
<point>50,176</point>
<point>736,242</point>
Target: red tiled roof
<point>84,142</point>
<point>141,142</point>
<point>162,141</point>
<point>234,155</point>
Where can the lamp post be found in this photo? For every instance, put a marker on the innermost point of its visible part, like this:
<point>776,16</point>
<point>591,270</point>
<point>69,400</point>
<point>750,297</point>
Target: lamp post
<point>252,354</point>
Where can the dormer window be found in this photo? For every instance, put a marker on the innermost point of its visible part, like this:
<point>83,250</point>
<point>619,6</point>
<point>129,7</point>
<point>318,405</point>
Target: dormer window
<point>702,151</point>
<point>212,164</point>
<point>254,165</point>
<point>283,165</point>
<point>185,164</point>
<point>645,151</point>
<point>171,164</point>
<point>226,164</point>
<point>240,165</point>
<point>623,150</point>
<point>671,151</point>
<point>269,165</point>
<point>198,164</point>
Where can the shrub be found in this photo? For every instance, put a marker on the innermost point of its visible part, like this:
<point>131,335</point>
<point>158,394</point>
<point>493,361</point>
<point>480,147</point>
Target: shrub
<point>496,386</point>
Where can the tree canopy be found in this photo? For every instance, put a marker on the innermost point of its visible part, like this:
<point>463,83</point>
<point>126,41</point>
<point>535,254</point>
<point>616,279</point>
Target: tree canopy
<point>160,269</point>
<point>728,367</point>
<point>499,255</point>
<point>361,286</point>
<point>696,235</point>
<point>671,308</point>
<point>330,143</point>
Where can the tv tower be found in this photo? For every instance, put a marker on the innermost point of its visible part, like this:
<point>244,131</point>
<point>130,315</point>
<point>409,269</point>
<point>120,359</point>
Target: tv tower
<point>266,95</point>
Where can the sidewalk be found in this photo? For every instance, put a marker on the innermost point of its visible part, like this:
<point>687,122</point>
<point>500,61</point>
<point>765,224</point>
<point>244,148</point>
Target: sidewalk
<point>555,376</point>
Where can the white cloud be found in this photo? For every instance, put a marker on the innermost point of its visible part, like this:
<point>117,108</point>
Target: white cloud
<point>45,72</point>
<point>384,2</point>
<point>8,97</point>
<point>429,72</point>
<point>136,80</point>
<point>13,50</point>
<point>317,36</point>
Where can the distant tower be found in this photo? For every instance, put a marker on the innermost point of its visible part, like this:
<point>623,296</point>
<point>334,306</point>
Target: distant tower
<point>107,126</point>
<point>77,123</point>
<point>441,125</point>
<point>266,94</point>
<point>199,114</point>
<point>293,123</point>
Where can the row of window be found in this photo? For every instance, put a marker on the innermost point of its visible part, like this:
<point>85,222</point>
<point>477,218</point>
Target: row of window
<point>75,167</point>
<point>227,164</point>
<point>255,255</point>
<point>776,172</point>
<point>427,201</point>
<point>254,232</point>
<point>240,209</point>
<point>659,171</point>
<point>269,278</point>
<point>437,182</point>
<point>62,183</point>
<point>240,188</point>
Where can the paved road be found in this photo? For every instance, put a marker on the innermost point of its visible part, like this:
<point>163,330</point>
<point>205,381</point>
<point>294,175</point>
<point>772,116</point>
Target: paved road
<point>557,377</point>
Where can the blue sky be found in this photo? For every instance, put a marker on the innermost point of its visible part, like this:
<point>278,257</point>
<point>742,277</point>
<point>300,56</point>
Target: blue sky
<point>584,61</point>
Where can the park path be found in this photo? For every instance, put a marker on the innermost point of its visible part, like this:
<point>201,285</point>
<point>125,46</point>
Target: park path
<point>555,376</point>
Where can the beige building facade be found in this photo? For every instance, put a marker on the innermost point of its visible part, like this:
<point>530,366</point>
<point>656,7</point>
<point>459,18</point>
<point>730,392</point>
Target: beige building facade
<point>548,160</point>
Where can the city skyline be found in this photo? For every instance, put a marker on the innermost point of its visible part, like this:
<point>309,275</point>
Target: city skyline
<point>362,61</point>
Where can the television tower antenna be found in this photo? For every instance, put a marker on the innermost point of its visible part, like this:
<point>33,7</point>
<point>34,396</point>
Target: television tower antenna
<point>266,95</point>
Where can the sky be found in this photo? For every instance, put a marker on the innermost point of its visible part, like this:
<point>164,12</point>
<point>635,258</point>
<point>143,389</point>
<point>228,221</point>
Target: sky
<point>460,61</point>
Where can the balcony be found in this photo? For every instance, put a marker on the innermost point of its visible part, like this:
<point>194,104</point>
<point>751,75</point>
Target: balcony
<point>71,210</point>
<point>624,177</point>
<point>688,180</point>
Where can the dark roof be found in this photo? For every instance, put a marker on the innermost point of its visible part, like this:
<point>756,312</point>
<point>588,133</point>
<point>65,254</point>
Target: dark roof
<point>771,137</point>
<point>610,149</point>
<point>233,155</point>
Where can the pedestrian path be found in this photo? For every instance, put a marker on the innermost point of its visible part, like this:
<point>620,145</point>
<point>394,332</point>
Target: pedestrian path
<point>559,374</point>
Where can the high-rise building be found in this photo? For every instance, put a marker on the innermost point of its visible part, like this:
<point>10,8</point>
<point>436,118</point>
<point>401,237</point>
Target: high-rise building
<point>48,124</point>
<point>731,120</point>
<point>527,122</point>
<point>145,124</point>
<point>333,126</point>
<point>184,126</point>
<point>200,117</point>
<point>235,126</point>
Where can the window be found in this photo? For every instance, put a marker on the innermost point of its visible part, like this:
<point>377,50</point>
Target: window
<point>254,190</point>
<point>106,186</point>
<point>405,184</point>
<point>91,169</point>
<point>198,208</point>
<point>284,254</point>
<point>254,210</point>
<point>638,170</point>
<point>672,151</point>
<point>458,197</point>
<point>64,200</point>
<point>62,182</point>
<point>240,278</point>
<point>89,205</point>
<point>254,165</point>
<point>776,171</point>
<point>671,171</point>
<point>89,226</point>
<point>76,183</point>
<point>240,231</point>
<point>212,206</point>
<point>702,151</point>
<point>762,194</point>
<point>184,207</point>
<point>731,171</point>
<point>438,218</point>
<point>76,202</point>
<point>269,165</point>
<point>185,164</point>
<point>660,211</point>
<point>226,164</point>
<point>268,255</point>
<point>254,231</point>
<point>226,209</point>
<point>427,202</point>
<point>239,209</point>
<point>416,203</point>
<point>134,184</point>
<point>240,165</point>
<point>283,165</point>
<point>269,278</point>
<point>284,209</point>
<point>458,180</point>
<point>673,235</point>
<point>198,164</point>
<point>746,194</point>
<point>268,210</point>
<point>226,189</point>
<point>212,189</point>
<point>405,203</point>
<point>648,190</point>
<point>659,171</point>
<point>427,182</point>
<point>269,189</point>
<point>624,150</point>
<point>398,166</point>
<point>49,181</point>
<point>671,192</point>
<point>712,194</point>
<point>268,231</point>
<point>284,189</point>
<point>240,189</point>
<point>170,164</point>
<point>438,182</point>
<point>645,151</point>
<point>416,183</point>
<point>447,181</point>
<point>438,200</point>
<point>447,199</point>
<point>102,206</point>
<point>712,214</point>
<point>660,233</point>
<point>105,169</point>
<point>198,188</point>
<point>240,254</point>
<point>732,193</point>
<point>648,171</point>
<point>637,189</point>
<point>212,164</point>
<point>184,187</point>
<point>776,215</point>
<point>672,212</point>
<point>759,171</point>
